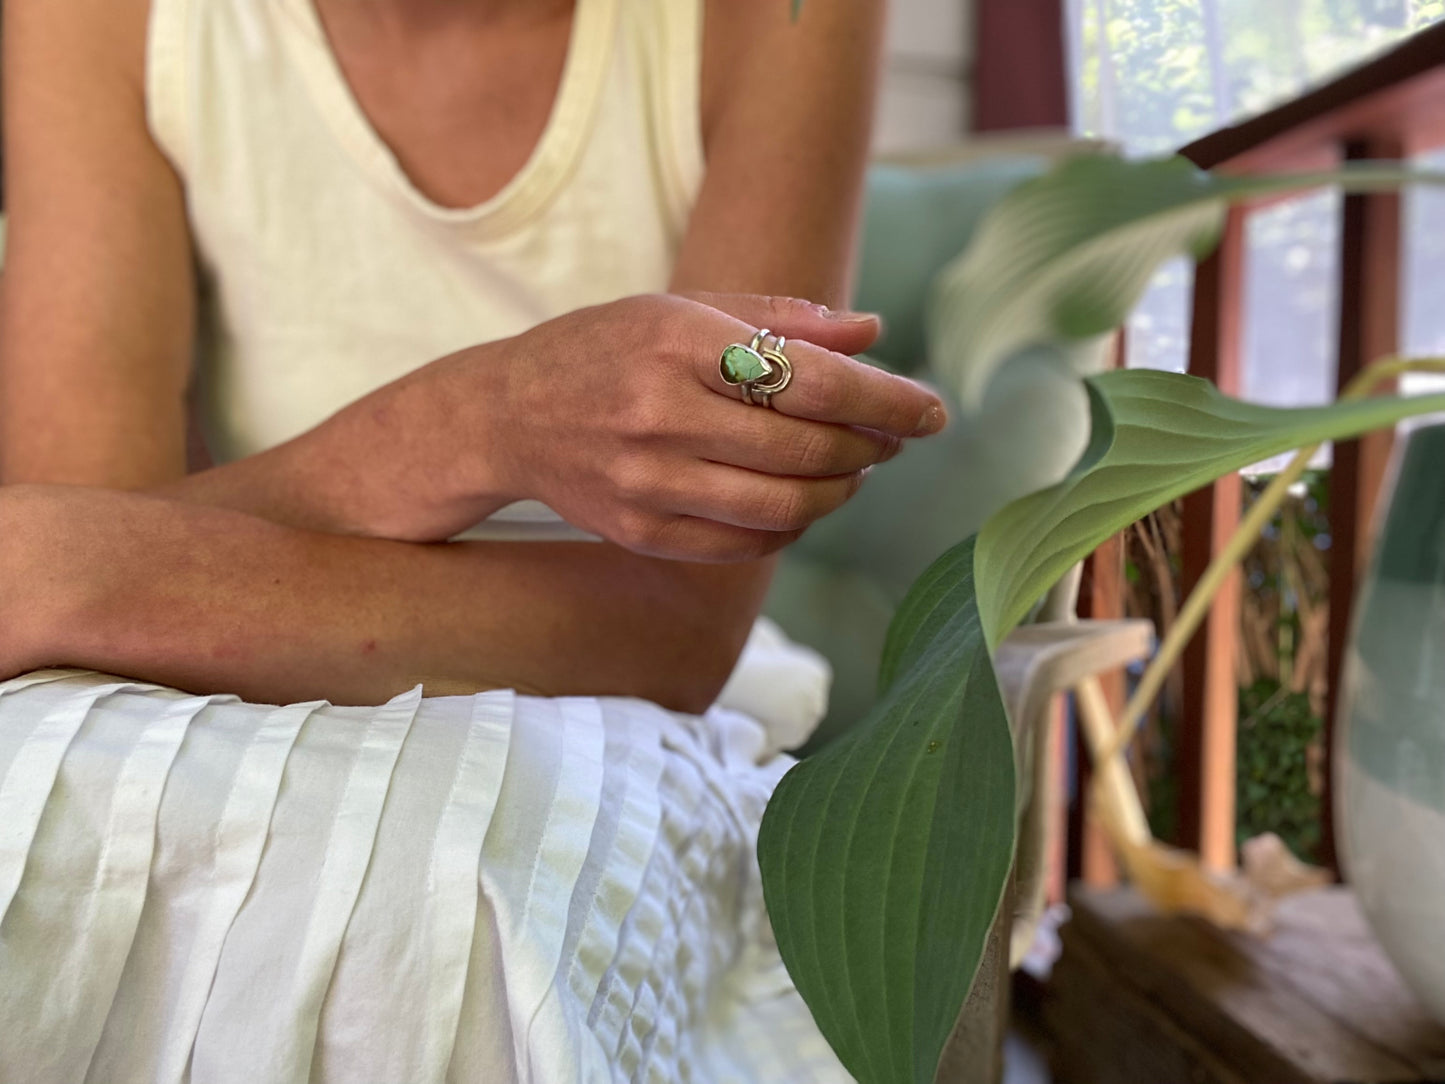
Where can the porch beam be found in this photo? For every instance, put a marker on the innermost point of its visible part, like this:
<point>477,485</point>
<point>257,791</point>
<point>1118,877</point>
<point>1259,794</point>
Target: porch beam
<point>1020,78</point>
<point>1210,703</point>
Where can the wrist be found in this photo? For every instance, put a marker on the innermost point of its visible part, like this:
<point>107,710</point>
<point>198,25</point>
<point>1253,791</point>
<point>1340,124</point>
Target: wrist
<point>37,582</point>
<point>419,459</point>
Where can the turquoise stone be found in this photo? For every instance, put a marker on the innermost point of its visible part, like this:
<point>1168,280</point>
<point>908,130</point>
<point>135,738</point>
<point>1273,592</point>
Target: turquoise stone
<point>742,363</point>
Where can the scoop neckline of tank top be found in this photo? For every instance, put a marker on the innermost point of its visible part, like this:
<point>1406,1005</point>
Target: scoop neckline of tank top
<point>546,167</point>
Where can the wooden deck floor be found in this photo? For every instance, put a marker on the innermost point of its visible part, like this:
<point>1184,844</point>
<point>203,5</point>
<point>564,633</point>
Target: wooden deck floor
<point>1141,998</point>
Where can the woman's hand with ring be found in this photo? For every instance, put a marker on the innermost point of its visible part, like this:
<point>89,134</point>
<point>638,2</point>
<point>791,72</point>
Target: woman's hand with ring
<point>618,418</point>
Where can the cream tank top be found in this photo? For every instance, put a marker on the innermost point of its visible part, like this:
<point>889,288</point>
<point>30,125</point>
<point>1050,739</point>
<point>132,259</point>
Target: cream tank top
<point>325,273</point>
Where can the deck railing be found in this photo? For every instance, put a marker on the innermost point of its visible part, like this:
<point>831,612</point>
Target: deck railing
<point>1391,108</point>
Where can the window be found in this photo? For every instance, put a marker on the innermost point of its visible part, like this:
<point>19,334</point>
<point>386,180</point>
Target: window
<point>1152,75</point>
<point>1422,326</point>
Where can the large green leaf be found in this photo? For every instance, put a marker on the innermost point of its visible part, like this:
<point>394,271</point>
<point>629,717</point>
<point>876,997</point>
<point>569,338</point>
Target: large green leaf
<point>1063,258</point>
<point>1156,436</point>
<point>884,856</point>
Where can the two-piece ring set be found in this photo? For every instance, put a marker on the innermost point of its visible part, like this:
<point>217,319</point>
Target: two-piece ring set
<point>760,368</point>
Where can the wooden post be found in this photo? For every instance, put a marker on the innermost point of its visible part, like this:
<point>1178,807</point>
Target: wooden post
<point>1102,591</point>
<point>1210,704</point>
<point>1369,331</point>
<point>1102,599</point>
<point>1020,79</point>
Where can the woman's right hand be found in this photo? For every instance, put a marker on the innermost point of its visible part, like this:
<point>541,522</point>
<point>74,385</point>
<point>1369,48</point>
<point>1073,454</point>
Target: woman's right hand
<point>617,418</point>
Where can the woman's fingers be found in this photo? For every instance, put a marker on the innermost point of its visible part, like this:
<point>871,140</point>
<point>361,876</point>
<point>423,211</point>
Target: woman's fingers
<point>688,538</point>
<point>774,443</point>
<point>845,332</point>
<point>750,499</point>
<point>829,387</point>
<point>622,422</point>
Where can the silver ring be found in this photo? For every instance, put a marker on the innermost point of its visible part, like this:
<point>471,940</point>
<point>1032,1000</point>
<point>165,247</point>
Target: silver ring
<point>760,368</point>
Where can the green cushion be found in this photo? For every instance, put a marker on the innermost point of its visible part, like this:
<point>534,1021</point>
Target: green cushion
<point>916,219</point>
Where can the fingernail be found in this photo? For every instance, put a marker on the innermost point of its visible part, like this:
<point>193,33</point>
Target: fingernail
<point>850,317</point>
<point>932,421</point>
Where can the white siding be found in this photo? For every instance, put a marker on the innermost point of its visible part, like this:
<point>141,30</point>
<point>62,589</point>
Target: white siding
<point>924,100</point>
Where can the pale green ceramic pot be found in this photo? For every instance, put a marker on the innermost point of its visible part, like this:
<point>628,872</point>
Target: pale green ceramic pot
<point>1390,753</point>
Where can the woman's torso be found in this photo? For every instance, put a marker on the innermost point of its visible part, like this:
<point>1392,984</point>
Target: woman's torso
<point>326,273</point>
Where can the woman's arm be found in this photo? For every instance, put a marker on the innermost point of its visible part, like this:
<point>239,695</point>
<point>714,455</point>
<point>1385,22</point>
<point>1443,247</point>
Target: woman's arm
<point>211,600</point>
<point>97,299</point>
<point>787,114</point>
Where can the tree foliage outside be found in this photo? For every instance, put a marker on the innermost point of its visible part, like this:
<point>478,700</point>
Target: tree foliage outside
<point>1422,330</point>
<point>1152,75</point>
<point>1283,671</point>
<point>1158,73</point>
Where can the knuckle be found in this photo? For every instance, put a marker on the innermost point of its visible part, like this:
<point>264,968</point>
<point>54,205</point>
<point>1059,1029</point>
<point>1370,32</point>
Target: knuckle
<point>648,310</point>
<point>888,447</point>
<point>833,396</point>
<point>783,508</point>
<point>638,531</point>
<point>631,477</point>
<point>753,547</point>
<point>814,450</point>
<point>726,545</point>
<point>646,416</point>
<point>737,544</point>
<point>672,332</point>
<point>786,309</point>
<point>776,306</point>
<point>765,543</point>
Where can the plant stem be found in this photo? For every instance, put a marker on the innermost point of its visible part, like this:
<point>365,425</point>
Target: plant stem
<point>1196,607</point>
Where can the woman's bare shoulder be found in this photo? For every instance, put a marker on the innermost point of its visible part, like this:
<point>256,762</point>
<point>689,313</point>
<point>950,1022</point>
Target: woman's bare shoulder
<point>90,41</point>
<point>96,320</point>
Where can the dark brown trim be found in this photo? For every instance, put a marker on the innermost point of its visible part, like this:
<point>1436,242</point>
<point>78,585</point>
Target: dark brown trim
<point>1101,598</point>
<point>1210,703</point>
<point>1398,94</point>
<point>1020,77</point>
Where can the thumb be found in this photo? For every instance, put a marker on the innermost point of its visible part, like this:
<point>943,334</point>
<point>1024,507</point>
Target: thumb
<point>843,332</point>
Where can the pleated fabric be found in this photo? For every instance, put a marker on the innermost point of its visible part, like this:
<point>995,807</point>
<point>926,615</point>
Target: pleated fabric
<point>482,888</point>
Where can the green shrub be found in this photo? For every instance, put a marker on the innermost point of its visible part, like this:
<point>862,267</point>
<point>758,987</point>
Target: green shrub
<point>1279,767</point>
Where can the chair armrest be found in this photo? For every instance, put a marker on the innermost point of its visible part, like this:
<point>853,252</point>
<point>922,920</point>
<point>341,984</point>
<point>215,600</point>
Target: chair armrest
<point>1035,662</point>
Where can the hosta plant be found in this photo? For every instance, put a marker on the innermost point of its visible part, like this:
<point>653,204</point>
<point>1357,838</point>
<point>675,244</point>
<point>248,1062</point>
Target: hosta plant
<point>885,855</point>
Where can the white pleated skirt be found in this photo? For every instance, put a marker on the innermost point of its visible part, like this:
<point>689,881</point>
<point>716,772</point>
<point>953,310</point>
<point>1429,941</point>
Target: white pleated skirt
<point>485,888</point>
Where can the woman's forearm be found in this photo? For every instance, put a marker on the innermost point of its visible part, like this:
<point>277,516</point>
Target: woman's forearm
<point>617,417</point>
<point>210,600</point>
<point>407,462</point>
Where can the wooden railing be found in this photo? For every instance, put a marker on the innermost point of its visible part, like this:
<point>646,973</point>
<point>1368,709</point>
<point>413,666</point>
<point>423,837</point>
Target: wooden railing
<point>1391,108</point>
